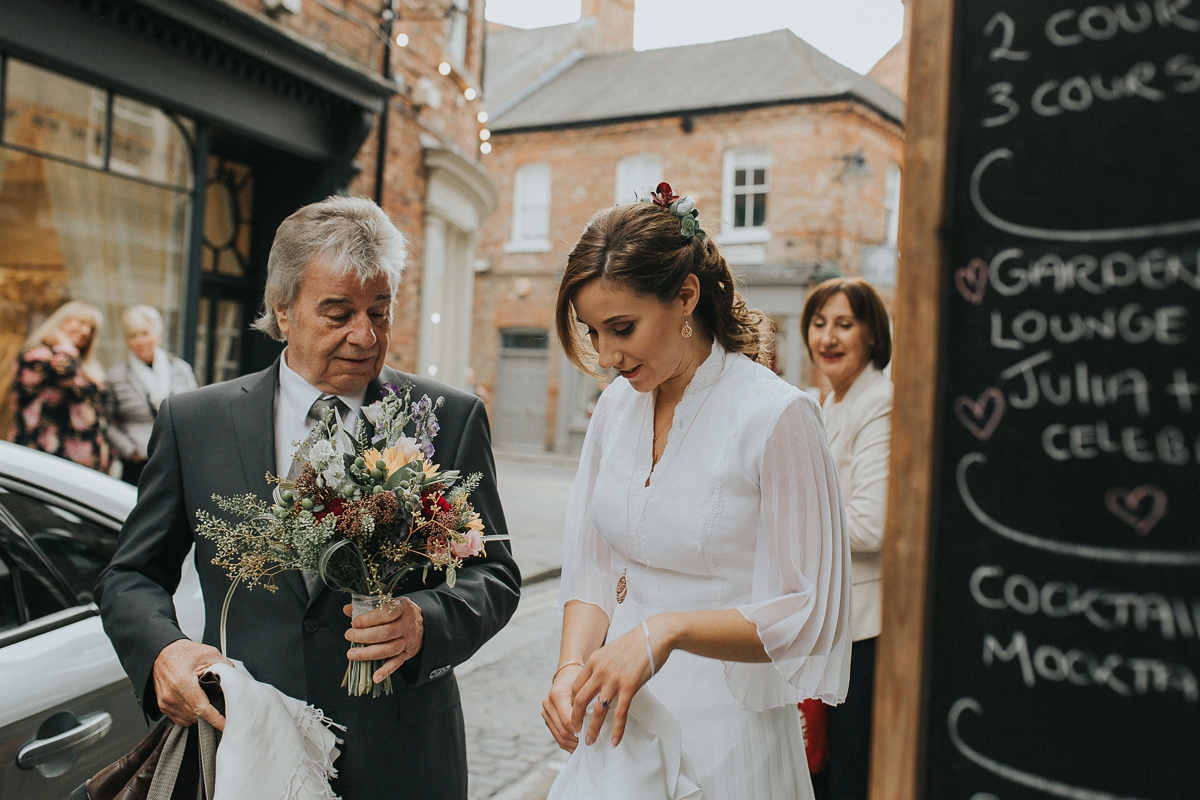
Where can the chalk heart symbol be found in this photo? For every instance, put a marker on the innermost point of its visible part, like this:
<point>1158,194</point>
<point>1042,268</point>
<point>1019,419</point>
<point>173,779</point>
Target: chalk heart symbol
<point>1126,505</point>
<point>975,416</point>
<point>971,280</point>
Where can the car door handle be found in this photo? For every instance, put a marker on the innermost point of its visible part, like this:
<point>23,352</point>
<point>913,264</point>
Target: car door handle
<point>90,730</point>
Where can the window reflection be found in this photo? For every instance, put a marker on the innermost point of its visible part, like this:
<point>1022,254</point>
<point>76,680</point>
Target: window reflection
<point>224,317</point>
<point>88,210</point>
<point>54,115</point>
<point>64,118</point>
<point>147,143</point>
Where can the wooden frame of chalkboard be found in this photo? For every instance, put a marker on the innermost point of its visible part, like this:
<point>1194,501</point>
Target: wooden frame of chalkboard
<point>1041,610</point>
<point>897,732</point>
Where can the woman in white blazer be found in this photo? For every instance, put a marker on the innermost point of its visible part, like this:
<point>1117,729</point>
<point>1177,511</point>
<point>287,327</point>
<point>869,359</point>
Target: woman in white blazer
<point>848,337</point>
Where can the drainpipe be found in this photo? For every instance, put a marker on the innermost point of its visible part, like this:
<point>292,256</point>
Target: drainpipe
<point>388,15</point>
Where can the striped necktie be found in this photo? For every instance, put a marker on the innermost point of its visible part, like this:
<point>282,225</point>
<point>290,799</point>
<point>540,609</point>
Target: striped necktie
<point>326,401</point>
<point>317,414</point>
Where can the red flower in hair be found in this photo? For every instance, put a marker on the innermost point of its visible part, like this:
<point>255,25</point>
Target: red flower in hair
<point>664,196</point>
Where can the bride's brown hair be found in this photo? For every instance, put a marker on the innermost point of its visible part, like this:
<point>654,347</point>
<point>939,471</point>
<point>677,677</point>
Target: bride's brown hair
<point>639,246</point>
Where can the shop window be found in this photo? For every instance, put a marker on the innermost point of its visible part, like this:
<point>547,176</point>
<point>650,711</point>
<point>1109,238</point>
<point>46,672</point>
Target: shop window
<point>147,143</point>
<point>59,117</point>
<point>744,200</point>
<point>531,209</point>
<point>635,173</point>
<point>54,115</point>
<point>95,204</point>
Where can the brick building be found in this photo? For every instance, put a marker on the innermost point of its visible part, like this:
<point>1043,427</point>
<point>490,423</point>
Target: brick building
<point>793,161</point>
<point>150,148</point>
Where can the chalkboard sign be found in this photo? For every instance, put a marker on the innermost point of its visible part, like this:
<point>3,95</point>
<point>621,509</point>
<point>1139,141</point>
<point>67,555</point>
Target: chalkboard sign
<point>1062,631</point>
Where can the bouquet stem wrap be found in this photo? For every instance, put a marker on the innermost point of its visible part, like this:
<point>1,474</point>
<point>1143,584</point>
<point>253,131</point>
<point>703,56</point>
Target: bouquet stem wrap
<point>358,673</point>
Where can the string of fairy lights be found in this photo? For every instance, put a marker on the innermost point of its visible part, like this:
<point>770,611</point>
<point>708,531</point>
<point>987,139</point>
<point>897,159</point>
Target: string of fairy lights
<point>440,9</point>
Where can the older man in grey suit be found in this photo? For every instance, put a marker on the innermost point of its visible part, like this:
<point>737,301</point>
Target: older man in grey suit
<point>331,281</point>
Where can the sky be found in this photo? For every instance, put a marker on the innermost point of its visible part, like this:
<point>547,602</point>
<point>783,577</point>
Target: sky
<point>855,32</point>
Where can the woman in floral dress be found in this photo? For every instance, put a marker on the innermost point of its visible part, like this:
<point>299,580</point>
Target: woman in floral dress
<point>58,389</point>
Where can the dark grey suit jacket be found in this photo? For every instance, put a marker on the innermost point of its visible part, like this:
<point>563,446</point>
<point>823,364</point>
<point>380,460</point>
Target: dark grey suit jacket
<point>220,440</point>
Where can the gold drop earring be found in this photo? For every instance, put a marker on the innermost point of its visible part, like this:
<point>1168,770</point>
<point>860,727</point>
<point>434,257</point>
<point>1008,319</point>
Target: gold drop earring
<point>687,328</point>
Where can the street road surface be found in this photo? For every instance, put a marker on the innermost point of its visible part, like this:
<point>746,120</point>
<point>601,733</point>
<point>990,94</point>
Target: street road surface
<point>533,489</point>
<point>510,754</point>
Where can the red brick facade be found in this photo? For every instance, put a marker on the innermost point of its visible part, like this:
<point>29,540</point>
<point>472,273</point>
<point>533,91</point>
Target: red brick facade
<point>350,31</point>
<point>828,167</point>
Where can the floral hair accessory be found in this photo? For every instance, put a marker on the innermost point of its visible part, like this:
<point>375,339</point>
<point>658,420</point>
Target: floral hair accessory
<point>683,207</point>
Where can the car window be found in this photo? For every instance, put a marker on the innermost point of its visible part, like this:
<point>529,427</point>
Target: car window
<point>78,548</point>
<point>24,595</point>
<point>10,616</point>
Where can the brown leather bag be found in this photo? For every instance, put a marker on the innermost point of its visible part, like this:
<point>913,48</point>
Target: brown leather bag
<point>171,763</point>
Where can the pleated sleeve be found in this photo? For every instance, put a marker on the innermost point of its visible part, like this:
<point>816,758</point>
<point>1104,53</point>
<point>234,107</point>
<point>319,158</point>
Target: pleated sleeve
<point>588,572</point>
<point>800,595</point>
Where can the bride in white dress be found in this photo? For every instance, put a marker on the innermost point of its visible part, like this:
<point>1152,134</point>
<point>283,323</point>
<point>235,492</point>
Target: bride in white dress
<point>706,569</point>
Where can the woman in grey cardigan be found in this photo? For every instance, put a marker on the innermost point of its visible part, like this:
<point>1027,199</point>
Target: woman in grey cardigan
<point>139,384</point>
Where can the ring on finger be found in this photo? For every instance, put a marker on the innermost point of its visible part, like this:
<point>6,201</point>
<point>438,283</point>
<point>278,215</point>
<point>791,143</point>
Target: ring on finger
<point>606,703</point>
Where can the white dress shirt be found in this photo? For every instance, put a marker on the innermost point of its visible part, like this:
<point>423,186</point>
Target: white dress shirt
<point>293,399</point>
<point>860,435</point>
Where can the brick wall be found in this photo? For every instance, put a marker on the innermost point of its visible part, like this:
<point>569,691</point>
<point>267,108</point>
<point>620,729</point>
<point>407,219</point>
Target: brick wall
<point>352,31</point>
<point>825,203</point>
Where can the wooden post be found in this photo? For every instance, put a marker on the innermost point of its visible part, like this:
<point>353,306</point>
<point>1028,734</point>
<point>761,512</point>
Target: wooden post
<point>897,739</point>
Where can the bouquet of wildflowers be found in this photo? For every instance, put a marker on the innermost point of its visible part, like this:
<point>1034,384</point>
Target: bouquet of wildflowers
<point>364,511</point>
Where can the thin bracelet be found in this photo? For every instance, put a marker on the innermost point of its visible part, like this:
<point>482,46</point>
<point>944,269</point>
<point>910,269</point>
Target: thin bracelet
<point>649,651</point>
<point>564,666</point>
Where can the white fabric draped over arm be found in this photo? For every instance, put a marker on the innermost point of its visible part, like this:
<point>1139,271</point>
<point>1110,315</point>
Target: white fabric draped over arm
<point>800,596</point>
<point>588,571</point>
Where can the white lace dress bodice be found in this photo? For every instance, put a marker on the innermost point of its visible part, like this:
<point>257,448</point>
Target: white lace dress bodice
<point>742,511</point>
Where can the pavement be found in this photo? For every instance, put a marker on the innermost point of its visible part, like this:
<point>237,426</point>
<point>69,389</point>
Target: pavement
<point>510,754</point>
<point>534,489</point>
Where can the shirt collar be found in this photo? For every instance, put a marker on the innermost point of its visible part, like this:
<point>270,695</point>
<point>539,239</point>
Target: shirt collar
<point>709,371</point>
<point>299,395</point>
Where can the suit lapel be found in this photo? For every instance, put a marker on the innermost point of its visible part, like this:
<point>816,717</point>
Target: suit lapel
<point>253,414</point>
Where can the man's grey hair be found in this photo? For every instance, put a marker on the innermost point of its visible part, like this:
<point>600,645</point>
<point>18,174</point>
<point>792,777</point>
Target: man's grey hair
<point>350,234</point>
<point>137,316</point>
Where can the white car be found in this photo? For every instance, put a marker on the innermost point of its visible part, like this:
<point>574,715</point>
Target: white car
<point>66,707</point>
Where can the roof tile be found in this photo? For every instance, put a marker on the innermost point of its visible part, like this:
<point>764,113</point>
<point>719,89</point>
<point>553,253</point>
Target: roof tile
<point>776,67</point>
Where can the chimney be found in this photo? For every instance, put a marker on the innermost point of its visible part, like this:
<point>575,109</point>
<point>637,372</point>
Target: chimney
<point>613,30</point>
<point>892,69</point>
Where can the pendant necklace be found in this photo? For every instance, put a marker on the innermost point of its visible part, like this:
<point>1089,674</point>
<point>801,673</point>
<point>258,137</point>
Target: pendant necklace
<point>622,582</point>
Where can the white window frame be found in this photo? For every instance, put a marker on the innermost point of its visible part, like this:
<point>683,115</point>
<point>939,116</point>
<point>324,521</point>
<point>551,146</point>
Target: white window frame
<point>458,20</point>
<point>531,209</point>
<point>635,172</point>
<point>891,205</point>
<point>749,160</point>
